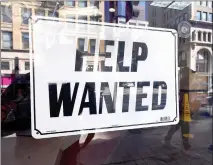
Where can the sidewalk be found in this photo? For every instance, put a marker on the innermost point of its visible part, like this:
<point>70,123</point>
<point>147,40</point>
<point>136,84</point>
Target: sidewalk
<point>145,148</point>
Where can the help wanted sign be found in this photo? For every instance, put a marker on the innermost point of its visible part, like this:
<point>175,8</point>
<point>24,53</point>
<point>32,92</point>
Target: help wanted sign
<point>97,77</point>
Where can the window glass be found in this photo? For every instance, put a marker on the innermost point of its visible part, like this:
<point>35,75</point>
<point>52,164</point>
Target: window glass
<point>92,45</point>
<point>5,65</point>
<point>204,36</point>
<point>209,37</point>
<point>27,65</point>
<point>198,15</point>
<point>81,42</point>
<point>40,12</point>
<point>210,17</point>
<point>202,61</point>
<point>121,54</point>
<point>70,16</point>
<point>25,40</point>
<point>6,13</point>
<point>197,3</point>
<point>94,3</point>
<point>52,14</point>
<point>70,3</point>
<point>204,3</point>
<point>210,4</point>
<point>204,16</point>
<point>26,13</point>
<point>199,36</point>
<point>82,18</point>
<point>82,3</point>
<point>93,18</point>
<point>7,41</point>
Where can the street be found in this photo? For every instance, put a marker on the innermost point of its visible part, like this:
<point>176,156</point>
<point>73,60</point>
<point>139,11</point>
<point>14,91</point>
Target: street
<point>145,148</point>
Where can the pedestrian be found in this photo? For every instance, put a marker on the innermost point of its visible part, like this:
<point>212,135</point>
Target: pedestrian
<point>185,130</point>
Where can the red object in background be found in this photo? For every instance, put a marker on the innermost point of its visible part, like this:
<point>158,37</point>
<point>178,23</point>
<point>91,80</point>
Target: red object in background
<point>3,112</point>
<point>6,80</point>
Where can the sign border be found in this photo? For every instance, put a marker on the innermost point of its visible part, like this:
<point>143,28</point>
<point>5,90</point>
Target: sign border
<point>35,19</point>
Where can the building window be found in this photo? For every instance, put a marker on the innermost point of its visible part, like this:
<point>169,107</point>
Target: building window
<point>197,3</point>
<point>7,40</point>
<point>193,35</point>
<point>70,3</point>
<point>40,12</point>
<point>82,3</point>
<point>210,3</point>
<point>198,15</point>
<point>82,18</point>
<point>81,42</point>
<point>5,65</point>
<point>26,13</point>
<point>92,45</point>
<point>70,16</point>
<point>199,36</point>
<point>204,3</point>
<point>202,61</point>
<point>210,17</point>
<point>6,13</point>
<point>94,3</point>
<point>94,18</point>
<point>25,40</point>
<point>204,36</point>
<point>209,37</point>
<point>52,14</point>
<point>27,65</point>
<point>204,16</point>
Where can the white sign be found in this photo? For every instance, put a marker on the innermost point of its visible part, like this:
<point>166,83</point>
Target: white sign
<point>133,84</point>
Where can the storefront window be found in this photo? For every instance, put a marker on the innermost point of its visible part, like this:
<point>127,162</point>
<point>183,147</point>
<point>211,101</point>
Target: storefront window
<point>124,90</point>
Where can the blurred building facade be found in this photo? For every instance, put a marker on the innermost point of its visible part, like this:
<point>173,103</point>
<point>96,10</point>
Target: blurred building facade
<point>15,34</point>
<point>194,52</point>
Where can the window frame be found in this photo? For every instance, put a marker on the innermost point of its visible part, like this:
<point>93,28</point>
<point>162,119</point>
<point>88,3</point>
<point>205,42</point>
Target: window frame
<point>210,14</point>
<point>204,13</point>
<point>51,15</point>
<point>82,16</point>
<point>4,15</point>
<point>26,66</point>
<point>92,45</point>
<point>205,62</point>
<point>43,10</point>
<point>80,46</point>
<point>23,44</point>
<point>204,3</point>
<point>96,4</point>
<point>11,40</point>
<point>81,2</point>
<point>200,16</point>
<point>27,18</point>
<point>70,3</point>
<point>8,65</point>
